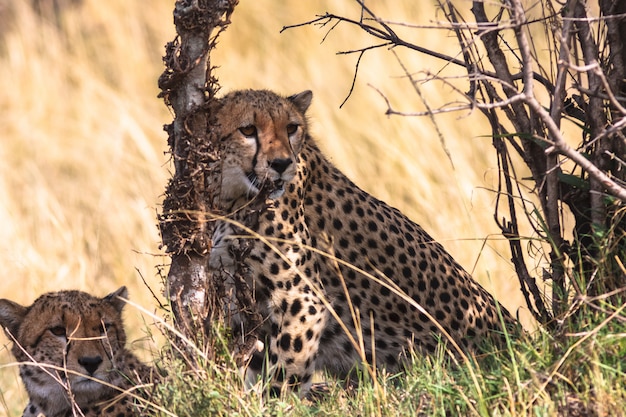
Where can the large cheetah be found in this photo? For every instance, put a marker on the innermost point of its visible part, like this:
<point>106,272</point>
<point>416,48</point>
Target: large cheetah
<point>70,346</point>
<point>332,266</point>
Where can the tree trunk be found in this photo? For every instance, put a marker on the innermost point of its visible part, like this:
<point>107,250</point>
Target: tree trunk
<point>191,196</point>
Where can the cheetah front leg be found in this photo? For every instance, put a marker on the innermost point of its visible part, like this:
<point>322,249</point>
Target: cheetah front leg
<point>298,321</point>
<point>296,318</point>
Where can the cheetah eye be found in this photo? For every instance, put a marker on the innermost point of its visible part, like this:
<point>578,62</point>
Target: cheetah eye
<point>292,128</point>
<point>58,331</point>
<point>248,131</point>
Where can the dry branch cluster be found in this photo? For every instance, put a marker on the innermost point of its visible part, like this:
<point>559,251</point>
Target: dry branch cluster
<point>526,98</point>
<point>192,194</point>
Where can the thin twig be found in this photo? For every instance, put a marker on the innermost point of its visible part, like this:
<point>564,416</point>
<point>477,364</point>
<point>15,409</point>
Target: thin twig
<point>323,20</point>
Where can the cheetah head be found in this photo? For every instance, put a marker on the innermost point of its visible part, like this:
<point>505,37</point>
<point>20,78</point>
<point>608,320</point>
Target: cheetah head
<point>262,134</point>
<point>66,341</point>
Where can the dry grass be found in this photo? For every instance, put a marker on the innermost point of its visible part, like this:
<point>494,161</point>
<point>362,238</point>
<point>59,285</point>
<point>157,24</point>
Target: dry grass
<point>83,148</point>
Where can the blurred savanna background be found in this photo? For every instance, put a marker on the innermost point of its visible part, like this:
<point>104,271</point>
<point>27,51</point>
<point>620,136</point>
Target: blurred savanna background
<point>84,155</point>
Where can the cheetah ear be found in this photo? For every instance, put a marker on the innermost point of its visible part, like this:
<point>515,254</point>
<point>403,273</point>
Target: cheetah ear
<point>116,298</point>
<point>11,317</point>
<point>302,100</point>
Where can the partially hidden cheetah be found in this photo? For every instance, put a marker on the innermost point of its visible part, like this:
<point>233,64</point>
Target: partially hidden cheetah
<point>72,355</point>
<point>333,268</point>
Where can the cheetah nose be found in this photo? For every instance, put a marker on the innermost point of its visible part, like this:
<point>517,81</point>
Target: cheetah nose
<point>280,164</point>
<point>90,363</point>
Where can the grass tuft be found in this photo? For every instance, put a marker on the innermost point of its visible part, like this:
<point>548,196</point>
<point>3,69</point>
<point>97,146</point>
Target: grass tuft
<point>580,373</point>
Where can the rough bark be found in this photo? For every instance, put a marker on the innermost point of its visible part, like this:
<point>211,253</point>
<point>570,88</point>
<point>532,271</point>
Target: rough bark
<point>191,196</point>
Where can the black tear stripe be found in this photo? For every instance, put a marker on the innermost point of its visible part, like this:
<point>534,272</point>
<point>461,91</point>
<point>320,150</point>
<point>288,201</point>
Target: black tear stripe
<point>256,154</point>
<point>256,151</point>
<point>68,346</point>
<point>106,337</point>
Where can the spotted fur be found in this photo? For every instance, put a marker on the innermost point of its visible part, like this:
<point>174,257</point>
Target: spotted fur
<point>332,258</point>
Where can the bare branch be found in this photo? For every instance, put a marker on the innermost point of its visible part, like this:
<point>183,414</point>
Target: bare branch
<point>418,91</point>
<point>361,52</point>
<point>552,191</point>
<point>394,40</point>
<point>561,146</point>
<point>596,117</point>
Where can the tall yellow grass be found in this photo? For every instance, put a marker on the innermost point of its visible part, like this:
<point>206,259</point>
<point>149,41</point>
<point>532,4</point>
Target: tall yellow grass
<point>83,163</point>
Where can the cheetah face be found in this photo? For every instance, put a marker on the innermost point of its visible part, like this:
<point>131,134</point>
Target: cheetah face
<point>262,134</point>
<point>66,341</point>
